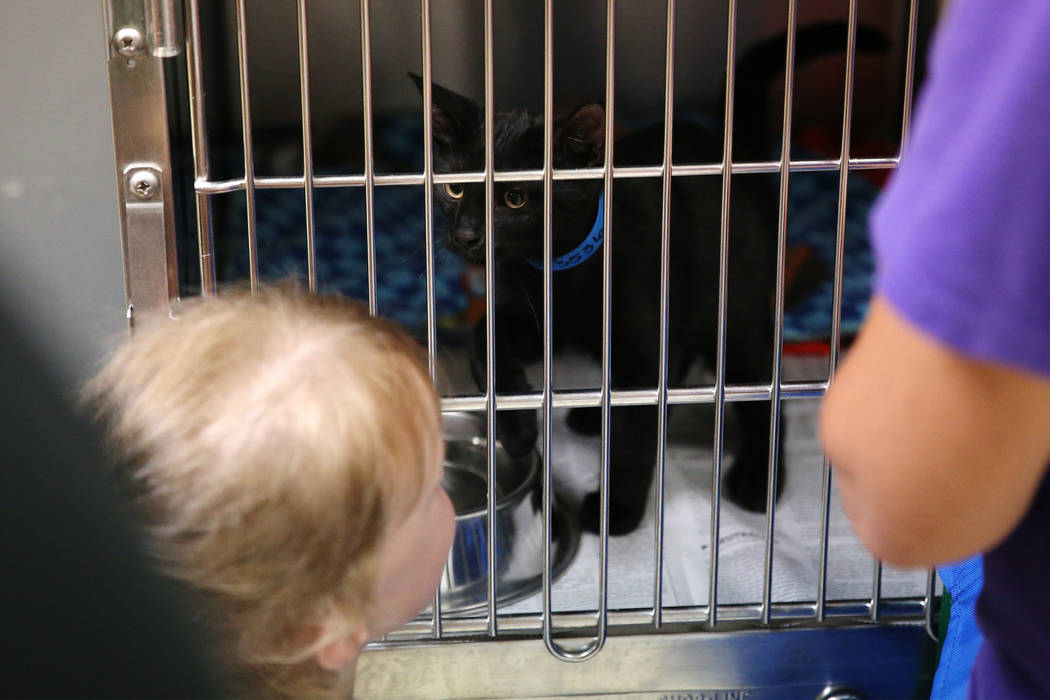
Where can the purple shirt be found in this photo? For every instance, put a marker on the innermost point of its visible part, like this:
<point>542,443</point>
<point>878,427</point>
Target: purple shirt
<point>962,237</point>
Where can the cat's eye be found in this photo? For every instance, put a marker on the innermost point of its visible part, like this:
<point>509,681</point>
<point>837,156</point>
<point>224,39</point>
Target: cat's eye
<point>515,199</point>
<point>454,190</point>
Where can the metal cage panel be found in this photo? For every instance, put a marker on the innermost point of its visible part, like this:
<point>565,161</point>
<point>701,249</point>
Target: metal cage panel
<point>147,205</point>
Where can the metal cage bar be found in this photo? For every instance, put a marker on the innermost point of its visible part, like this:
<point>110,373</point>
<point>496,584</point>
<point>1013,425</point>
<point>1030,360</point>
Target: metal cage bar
<point>428,191</point>
<point>199,137</point>
<point>825,527</point>
<point>428,203</point>
<point>308,151</point>
<point>369,148</point>
<point>548,325</point>
<point>796,166</point>
<point>927,603</point>
<point>575,398</point>
<point>665,283</point>
<point>246,140</point>
<point>595,645</point>
<point>676,619</point>
<point>723,289</point>
<point>778,327</point>
<point>909,74</point>
<point>490,319</point>
<point>876,590</point>
<point>606,392</point>
<point>909,87</point>
<point>836,306</point>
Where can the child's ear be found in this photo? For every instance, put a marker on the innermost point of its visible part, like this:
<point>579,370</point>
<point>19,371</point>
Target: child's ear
<point>579,140</point>
<point>453,115</point>
<point>343,650</point>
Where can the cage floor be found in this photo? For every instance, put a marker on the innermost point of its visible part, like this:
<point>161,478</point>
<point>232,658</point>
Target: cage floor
<point>742,535</point>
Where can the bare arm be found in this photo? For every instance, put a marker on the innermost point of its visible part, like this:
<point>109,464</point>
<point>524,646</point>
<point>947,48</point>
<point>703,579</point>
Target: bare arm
<point>937,455</point>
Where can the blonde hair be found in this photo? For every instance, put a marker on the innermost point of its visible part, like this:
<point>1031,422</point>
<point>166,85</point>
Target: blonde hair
<point>270,441</point>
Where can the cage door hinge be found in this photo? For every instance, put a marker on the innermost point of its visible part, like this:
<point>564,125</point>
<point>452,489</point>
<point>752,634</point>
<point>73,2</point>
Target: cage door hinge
<point>141,34</point>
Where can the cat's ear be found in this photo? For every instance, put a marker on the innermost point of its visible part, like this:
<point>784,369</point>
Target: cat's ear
<point>580,138</point>
<point>453,116</point>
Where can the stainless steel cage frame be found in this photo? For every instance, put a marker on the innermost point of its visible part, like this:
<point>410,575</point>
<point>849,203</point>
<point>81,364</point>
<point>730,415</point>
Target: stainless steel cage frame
<point>143,33</point>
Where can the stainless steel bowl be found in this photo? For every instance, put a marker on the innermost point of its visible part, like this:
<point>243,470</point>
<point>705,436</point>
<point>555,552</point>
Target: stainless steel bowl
<point>519,521</point>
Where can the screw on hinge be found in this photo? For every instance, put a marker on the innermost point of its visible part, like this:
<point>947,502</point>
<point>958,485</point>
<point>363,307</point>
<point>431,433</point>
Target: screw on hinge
<point>127,41</point>
<point>143,184</point>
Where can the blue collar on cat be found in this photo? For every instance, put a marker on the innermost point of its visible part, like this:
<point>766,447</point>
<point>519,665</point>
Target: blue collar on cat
<point>580,253</point>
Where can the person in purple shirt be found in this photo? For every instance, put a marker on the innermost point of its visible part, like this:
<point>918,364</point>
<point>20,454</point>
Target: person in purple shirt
<point>938,423</point>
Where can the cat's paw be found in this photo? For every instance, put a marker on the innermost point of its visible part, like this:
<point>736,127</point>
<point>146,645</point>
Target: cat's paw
<point>517,431</point>
<point>622,520</point>
<point>585,421</point>
<point>747,484</point>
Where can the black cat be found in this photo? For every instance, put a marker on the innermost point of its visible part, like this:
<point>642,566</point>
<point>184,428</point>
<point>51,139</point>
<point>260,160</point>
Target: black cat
<point>577,280</point>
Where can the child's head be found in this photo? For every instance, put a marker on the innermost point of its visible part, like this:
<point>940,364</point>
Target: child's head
<point>286,452</point>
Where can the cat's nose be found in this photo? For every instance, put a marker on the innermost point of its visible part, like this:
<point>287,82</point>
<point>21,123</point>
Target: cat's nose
<point>466,237</point>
